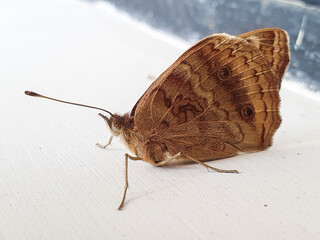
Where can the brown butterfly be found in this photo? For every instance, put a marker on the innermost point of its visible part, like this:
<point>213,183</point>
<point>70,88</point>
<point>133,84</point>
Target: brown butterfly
<point>219,98</point>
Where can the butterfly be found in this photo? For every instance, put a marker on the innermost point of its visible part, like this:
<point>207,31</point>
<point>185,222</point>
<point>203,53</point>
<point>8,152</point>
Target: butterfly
<point>219,98</point>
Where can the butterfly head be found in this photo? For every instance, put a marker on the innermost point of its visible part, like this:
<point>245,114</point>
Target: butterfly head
<point>118,123</point>
<point>115,123</point>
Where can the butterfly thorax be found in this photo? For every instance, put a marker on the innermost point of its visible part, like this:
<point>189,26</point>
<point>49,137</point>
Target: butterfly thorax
<point>148,148</point>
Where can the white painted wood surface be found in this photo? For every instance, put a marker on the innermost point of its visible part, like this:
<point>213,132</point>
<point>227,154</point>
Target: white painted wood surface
<point>56,184</point>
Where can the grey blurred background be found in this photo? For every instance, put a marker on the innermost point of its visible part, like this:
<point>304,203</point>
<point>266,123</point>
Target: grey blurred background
<point>195,19</point>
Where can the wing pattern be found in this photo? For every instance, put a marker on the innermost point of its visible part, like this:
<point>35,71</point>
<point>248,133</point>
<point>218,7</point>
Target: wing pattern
<point>220,97</point>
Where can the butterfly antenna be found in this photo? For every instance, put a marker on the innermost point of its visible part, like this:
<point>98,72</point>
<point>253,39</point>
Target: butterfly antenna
<point>33,94</point>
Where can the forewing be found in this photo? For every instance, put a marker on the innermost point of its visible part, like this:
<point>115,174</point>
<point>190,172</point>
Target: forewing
<point>274,45</point>
<point>145,110</point>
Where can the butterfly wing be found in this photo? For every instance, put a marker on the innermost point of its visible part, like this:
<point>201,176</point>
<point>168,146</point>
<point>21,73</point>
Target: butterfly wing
<point>220,97</point>
<point>274,45</point>
<point>141,111</point>
<point>172,81</point>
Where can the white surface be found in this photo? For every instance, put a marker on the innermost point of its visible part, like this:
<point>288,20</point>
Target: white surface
<point>56,184</point>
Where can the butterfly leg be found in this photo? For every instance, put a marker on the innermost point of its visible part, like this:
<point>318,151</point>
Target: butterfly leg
<point>168,160</point>
<point>106,145</point>
<point>213,168</point>
<point>127,156</point>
